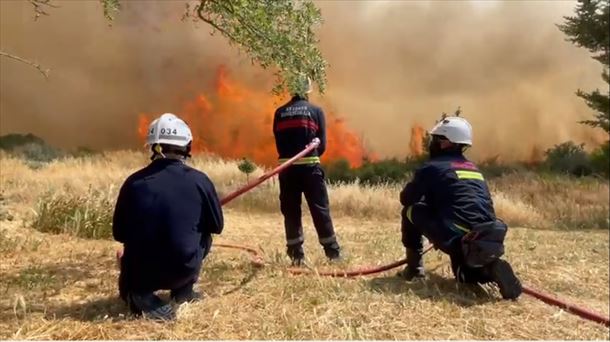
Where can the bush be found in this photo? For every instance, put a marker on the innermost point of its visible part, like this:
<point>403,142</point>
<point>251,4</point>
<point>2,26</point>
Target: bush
<point>84,152</point>
<point>491,167</point>
<point>246,166</point>
<point>383,172</point>
<point>88,215</point>
<point>37,152</point>
<point>386,171</point>
<point>600,160</point>
<point>568,158</point>
<point>11,141</point>
<point>30,147</point>
<point>340,172</point>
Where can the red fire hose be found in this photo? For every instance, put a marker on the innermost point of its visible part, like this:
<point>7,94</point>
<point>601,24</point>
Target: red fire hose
<point>357,272</point>
<point>257,259</point>
<point>571,308</point>
<point>313,144</point>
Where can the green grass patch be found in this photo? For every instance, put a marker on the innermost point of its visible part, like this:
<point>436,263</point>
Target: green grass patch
<point>87,215</point>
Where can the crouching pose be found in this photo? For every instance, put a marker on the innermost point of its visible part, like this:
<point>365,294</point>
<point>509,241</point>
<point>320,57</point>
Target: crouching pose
<point>165,216</point>
<point>449,203</point>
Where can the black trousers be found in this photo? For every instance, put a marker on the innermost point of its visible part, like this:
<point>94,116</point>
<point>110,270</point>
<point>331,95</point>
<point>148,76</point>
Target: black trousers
<point>418,221</point>
<point>308,180</point>
<point>177,283</point>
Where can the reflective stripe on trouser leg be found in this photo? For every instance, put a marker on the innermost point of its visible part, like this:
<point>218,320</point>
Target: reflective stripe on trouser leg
<point>316,195</point>
<point>328,240</point>
<point>296,241</point>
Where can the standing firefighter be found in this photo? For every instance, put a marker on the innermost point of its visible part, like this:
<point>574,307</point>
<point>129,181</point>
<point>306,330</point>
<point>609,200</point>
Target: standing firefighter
<point>295,124</point>
<point>448,201</point>
<point>165,216</point>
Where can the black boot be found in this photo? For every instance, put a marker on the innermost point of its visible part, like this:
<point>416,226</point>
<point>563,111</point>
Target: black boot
<point>151,306</point>
<point>297,262</point>
<point>296,254</point>
<point>415,266</point>
<point>332,251</point>
<point>502,274</point>
<point>185,294</point>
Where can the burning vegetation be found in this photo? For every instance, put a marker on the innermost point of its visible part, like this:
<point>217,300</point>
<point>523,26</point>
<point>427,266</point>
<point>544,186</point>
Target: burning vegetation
<point>235,121</point>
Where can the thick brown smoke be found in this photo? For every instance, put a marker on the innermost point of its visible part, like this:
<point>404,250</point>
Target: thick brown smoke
<point>393,64</point>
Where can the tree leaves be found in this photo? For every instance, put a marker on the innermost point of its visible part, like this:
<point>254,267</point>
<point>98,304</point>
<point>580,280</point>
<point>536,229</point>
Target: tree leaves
<point>276,34</point>
<point>246,166</point>
<point>111,7</point>
<point>589,28</point>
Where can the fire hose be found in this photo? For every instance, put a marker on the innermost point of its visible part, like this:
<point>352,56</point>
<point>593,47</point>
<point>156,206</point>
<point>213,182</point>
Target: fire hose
<point>257,259</point>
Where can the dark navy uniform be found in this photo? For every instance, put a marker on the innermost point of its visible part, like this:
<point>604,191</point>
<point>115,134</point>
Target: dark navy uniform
<point>165,215</point>
<point>295,125</point>
<point>446,199</point>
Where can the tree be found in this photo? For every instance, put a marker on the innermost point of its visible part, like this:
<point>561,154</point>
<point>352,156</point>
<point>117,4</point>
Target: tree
<point>275,34</point>
<point>40,9</point>
<point>589,29</point>
<point>246,166</point>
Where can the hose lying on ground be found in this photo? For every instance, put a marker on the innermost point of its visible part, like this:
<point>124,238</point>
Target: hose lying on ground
<point>257,259</point>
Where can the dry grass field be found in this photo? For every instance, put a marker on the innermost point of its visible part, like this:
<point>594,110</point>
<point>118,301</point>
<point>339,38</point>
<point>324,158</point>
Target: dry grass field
<point>58,274</point>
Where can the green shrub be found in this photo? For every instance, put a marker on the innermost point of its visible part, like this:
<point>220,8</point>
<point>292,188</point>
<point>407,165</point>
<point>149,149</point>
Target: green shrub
<point>568,158</point>
<point>600,160</point>
<point>11,141</point>
<point>493,168</point>
<point>246,166</point>
<point>37,153</point>
<point>340,172</point>
<point>31,148</point>
<point>383,172</point>
<point>84,152</point>
<point>88,215</point>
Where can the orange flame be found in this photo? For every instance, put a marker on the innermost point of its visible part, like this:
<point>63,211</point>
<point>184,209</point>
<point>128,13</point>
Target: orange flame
<point>236,122</point>
<point>416,145</point>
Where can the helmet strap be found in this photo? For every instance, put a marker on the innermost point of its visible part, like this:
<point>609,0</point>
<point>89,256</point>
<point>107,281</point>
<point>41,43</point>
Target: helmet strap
<point>158,152</point>
<point>171,153</point>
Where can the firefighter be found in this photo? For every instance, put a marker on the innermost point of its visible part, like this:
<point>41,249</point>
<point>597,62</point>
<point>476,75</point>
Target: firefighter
<point>165,216</point>
<point>295,124</point>
<point>449,203</point>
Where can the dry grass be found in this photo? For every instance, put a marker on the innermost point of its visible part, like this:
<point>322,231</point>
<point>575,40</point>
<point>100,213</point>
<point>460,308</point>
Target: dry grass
<point>521,199</point>
<point>64,287</point>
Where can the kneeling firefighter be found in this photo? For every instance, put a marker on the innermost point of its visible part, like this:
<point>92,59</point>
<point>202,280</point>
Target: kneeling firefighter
<point>165,216</point>
<point>449,203</point>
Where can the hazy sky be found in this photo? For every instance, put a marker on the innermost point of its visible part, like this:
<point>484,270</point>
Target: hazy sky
<point>392,64</point>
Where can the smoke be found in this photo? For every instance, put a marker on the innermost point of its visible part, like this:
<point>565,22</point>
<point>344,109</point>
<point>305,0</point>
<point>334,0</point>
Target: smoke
<point>393,65</point>
<point>102,77</point>
<point>398,64</point>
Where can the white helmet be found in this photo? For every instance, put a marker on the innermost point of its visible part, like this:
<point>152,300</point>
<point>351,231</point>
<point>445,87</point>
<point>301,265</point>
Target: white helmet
<point>169,129</point>
<point>455,129</point>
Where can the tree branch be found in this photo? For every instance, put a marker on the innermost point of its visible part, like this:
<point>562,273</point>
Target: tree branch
<point>44,72</point>
<point>210,22</point>
<point>39,7</point>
